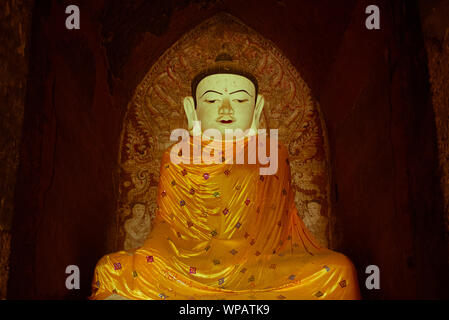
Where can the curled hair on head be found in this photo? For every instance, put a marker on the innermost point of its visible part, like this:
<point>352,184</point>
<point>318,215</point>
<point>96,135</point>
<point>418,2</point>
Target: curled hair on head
<point>224,64</point>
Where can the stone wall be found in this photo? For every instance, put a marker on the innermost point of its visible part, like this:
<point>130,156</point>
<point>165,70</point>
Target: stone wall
<point>15,21</point>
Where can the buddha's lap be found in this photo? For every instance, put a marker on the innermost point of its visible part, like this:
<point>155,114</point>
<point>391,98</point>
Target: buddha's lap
<point>300,265</point>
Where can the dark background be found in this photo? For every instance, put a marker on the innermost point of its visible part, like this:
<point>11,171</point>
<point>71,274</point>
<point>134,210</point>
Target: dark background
<point>372,86</point>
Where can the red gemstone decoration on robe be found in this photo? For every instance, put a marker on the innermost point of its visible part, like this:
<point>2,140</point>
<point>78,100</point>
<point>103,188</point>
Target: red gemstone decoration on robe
<point>225,211</point>
<point>206,176</point>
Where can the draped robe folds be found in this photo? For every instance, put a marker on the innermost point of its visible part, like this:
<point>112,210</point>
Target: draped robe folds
<point>223,231</point>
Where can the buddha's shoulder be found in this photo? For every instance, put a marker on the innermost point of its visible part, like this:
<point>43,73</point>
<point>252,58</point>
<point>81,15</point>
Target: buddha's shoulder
<point>279,145</point>
<point>177,149</point>
<point>168,149</point>
<point>166,153</point>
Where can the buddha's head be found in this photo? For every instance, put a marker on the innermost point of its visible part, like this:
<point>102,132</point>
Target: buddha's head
<point>224,96</point>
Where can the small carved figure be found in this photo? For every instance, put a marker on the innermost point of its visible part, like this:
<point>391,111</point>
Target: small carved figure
<point>137,227</point>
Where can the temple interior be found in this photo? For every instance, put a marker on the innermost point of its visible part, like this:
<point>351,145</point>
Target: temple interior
<point>383,100</point>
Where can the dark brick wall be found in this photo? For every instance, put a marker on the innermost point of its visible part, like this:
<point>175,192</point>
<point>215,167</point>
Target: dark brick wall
<point>15,19</point>
<point>436,37</point>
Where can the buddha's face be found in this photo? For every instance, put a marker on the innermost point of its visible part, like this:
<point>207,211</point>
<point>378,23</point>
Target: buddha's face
<point>225,101</point>
<point>139,210</point>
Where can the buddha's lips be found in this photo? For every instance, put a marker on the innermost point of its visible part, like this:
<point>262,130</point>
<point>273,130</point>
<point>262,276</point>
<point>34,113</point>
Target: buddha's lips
<point>226,121</point>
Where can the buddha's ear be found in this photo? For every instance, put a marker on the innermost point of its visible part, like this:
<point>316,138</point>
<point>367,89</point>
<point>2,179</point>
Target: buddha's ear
<point>260,101</point>
<point>189,108</point>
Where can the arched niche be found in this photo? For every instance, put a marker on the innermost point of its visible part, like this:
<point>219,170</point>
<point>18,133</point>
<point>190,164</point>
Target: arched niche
<point>156,109</point>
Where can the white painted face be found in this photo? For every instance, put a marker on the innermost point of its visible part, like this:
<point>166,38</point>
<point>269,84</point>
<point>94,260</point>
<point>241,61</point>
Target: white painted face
<point>225,101</point>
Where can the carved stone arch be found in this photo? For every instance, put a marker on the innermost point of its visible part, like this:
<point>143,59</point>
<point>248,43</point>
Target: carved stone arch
<point>156,109</point>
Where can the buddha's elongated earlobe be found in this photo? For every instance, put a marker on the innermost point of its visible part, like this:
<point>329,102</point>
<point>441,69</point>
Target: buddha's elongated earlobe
<point>256,116</point>
<point>192,117</point>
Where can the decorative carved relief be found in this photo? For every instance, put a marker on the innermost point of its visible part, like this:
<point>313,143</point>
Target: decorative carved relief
<point>156,109</point>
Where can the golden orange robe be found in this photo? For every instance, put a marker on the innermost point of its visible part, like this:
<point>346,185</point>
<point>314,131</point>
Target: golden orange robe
<point>223,231</point>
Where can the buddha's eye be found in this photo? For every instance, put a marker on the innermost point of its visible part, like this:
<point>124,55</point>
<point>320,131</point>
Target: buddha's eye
<point>211,101</point>
<point>241,100</point>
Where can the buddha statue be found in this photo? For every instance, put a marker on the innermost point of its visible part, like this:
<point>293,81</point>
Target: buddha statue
<point>224,230</point>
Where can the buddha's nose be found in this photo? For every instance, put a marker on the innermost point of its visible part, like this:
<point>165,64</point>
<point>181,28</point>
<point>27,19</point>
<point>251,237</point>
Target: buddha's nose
<point>225,108</point>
